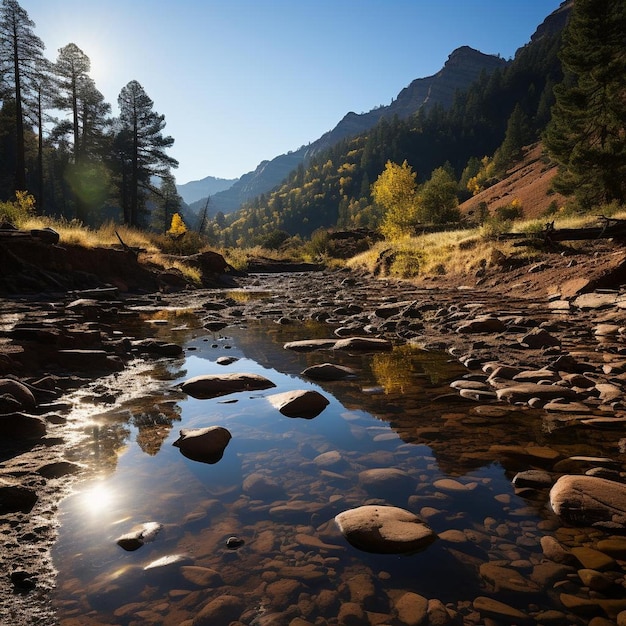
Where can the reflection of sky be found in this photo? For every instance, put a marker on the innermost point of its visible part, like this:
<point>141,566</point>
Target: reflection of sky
<point>181,494</point>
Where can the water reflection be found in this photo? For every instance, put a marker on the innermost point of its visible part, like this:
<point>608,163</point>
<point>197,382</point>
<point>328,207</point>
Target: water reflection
<point>281,481</point>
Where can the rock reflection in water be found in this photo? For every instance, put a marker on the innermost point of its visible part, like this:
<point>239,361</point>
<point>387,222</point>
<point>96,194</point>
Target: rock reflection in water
<point>282,482</point>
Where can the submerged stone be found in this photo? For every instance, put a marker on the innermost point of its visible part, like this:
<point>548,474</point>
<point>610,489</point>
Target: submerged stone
<point>384,529</point>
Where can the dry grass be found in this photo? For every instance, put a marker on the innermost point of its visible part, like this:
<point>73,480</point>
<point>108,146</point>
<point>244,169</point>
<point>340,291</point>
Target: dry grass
<point>77,234</point>
<point>463,252</point>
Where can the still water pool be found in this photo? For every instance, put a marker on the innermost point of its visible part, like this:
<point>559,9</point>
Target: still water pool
<point>277,491</point>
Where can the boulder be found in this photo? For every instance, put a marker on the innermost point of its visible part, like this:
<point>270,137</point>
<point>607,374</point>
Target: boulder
<point>14,498</point>
<point>306,403</point>
<point>215,385</point>
<point>590,501</point>
<point>138,536</point>
<point>523,392</point>
<point>363,344</point>
<point>206,445</point>
<point>328,371</point>
<point>19,392</point>
<point>384,529</point>
<point>21,426</point>
<point>308,345</point>
<point>539,338</point>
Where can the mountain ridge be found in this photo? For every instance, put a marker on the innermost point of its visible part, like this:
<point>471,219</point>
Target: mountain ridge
<point>463,66</point>
<point>196,190</point>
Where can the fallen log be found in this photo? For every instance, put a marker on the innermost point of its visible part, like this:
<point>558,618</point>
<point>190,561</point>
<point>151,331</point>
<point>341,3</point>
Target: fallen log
<point>610,228</point>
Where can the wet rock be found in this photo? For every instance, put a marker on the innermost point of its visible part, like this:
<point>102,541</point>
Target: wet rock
<point>20,426</point>
<point>590,558</point>
<point>386,480</point>
<point>260,487</point>
<point>215,385</point>
<point>596,581</point>
<point>589,501</point>
<point>59,469</point>
<point>89,361</point>
<point>330,460</point>
<point>524,392</point>
<point>20,393</point>
<point>613,546</point>
<point>500,611</point>
<point>308,345</point>
<point>539,338</point>
<point>352,614</point>
<point>204,577</point>
<point>15,498</point>
<point>555,551</point>
<point>157,348</point>
<point>222,610</point>
<point>328,371</point>
<point>206,445</point>
<point>412,608</point>
<point>226,360</point>
<point>171,562</point>
<point>139,536</point>
<point>438,614</point>
<point>533,478</point>
<point>506,579</point>
<point>485,324</point>
<point>363,344</point>
<point>306,403</point>
<point>234,542</point>
<point>384,529</point>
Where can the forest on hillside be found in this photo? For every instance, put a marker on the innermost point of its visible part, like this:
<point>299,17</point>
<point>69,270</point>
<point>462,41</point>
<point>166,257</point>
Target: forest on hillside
<point>565,88</point>
<point>60,144</point>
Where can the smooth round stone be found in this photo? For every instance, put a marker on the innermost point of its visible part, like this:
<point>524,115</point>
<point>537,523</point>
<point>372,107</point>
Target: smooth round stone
<point>328,371</point>
<point>533,478</point>
<point>386,478</point>
<point>500,611</point>
<point>332,458</point>
<point>206,445</point>
<point>384,529</point>
<point>306,403</point>
<point>214,385</point>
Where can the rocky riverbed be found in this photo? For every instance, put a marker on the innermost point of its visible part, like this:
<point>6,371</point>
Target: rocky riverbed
<point>561,354</point>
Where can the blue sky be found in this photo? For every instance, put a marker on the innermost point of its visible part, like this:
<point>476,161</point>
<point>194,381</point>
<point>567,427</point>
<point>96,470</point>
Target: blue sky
<point>240,81</point>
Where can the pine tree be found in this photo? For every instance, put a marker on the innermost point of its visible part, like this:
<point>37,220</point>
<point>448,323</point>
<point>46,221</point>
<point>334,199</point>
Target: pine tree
<point>22,50</point>
<point>586,134</point>
<point>141,146</point>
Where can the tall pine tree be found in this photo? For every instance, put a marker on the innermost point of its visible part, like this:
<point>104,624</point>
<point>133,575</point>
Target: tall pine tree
<point>21,52</point>
<point>142,146</point>
<point>586,135</point>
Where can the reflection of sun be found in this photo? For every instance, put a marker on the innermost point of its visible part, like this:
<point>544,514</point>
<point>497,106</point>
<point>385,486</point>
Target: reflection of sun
<point>97,498</point>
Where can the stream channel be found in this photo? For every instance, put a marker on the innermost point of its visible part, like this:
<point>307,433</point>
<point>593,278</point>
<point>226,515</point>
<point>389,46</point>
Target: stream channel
<point>282,480</point>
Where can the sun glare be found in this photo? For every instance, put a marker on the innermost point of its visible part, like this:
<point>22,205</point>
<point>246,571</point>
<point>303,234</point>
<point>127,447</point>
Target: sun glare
<point>97,498</point>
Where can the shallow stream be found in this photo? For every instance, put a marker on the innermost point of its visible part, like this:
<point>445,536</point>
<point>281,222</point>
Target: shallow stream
<point>458,460</point>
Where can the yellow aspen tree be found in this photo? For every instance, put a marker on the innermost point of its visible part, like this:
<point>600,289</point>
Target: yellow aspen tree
<point>395,191</point>
<point>177,227</point>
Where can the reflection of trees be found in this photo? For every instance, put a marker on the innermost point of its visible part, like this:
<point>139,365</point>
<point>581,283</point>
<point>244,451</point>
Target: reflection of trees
<point>154,426</point>
<point>398,370</point>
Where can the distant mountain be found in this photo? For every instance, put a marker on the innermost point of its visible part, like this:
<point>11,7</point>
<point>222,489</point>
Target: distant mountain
<point>199,189</point>
<point>461,69</point>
